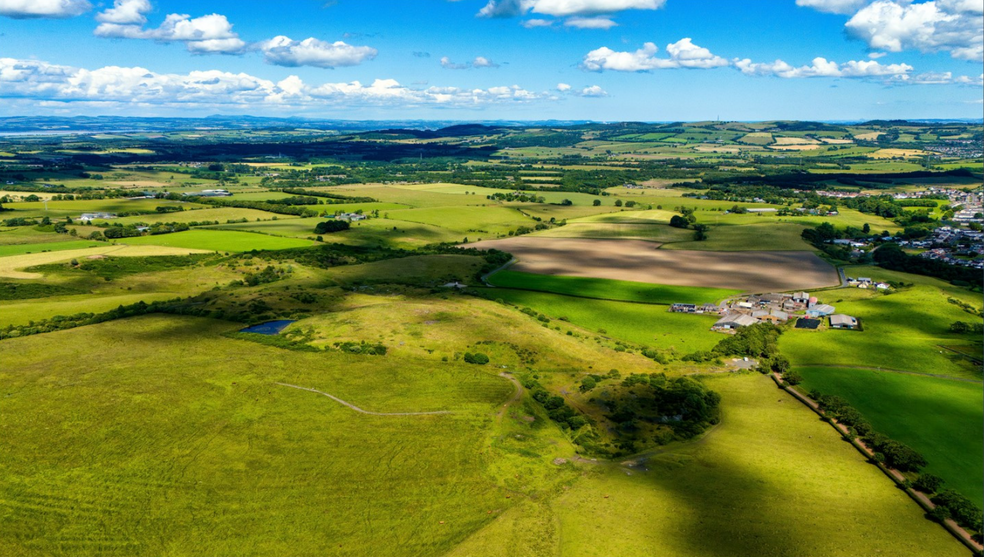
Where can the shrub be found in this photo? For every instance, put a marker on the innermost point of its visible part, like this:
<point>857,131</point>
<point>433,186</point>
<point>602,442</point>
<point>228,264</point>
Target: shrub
<point>476,358</point>
<point>928,483</point>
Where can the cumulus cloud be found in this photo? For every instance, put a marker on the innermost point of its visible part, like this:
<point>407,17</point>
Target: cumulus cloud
<point>597,22</point>
<point>284,51</point>
<point>563,87</point>
<point>952,26</point>
<point>592,91</point>
<point>126,12</point>
<point>51,9</point>
<point>682,54</point>
<point>478,63</point>
<point>833,6</point>
<point>821,67</point>
<point>209,34</point>
<point>37,81</point>
<point>581,14</point>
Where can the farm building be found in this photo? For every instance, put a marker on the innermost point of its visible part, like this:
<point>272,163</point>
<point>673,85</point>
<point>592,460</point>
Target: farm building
<point>683,308</point>
<point>820,310</point>
<point>93,216</point>
<point>801,297</point>
<point>350,217</point>
<point>733,321</point>
<point>841,321</point>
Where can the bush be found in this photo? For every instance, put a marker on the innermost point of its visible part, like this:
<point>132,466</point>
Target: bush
<point>476,358</point>
<point>331,226</point>
<point>928,483</point>
<point>792,377</point>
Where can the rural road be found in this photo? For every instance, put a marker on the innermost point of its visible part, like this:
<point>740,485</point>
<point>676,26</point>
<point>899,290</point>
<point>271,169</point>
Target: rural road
<point>360,410</point>
<point>485,277</point>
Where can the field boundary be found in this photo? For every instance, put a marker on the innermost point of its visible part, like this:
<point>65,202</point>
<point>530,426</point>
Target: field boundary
<point>360,410</point>
<point>919,497</point>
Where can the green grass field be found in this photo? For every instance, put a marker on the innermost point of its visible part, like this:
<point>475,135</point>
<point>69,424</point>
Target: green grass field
<point>648,325</point>
<point>20,249</point>
<point>605,289</point>
<point>214,458</point>
<point>902,330</point>
<point>940,418</point>
<point>771,480</point>
<point>218,240</point>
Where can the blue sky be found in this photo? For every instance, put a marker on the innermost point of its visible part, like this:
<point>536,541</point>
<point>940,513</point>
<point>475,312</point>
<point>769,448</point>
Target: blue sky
<point>505,59</point>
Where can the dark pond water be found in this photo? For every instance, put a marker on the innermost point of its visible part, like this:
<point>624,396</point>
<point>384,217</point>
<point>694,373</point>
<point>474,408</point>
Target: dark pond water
<point>268,328</point>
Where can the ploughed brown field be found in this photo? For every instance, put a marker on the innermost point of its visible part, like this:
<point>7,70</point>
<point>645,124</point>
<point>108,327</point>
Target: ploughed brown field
<point>641,261</point>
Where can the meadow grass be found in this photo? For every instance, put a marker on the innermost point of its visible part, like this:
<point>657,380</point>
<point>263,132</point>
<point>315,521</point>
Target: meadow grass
<point>770,480</point>
<point>420,270</point>
<point>749,237</point>
<point>648,325</point>
<point>75,208</point>
<point>208,456</point>
<point>221,214</point>
<point>21,249</point>
<point>606,289</point>
<point>370,232</point>
<point>218,240</point>
<point>11,265</point>
<point>940,418</point>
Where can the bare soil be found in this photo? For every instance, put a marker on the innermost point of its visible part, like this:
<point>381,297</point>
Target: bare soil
<point>641,261</point>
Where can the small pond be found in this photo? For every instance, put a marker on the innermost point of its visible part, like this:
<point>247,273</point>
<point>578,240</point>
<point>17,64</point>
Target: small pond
<point>268,328</point>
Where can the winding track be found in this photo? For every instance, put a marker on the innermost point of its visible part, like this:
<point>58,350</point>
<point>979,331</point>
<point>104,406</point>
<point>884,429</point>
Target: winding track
<point>360,410</point>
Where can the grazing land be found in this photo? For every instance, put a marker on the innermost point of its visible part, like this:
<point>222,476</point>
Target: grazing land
<point>639,261</point>
<point>943,418</point>
<point>519,329</point>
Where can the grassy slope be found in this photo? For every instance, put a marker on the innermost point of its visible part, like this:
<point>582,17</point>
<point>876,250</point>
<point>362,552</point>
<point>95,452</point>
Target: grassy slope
<point>21,249</point>
<point>942,419</point>
<point>212,458</point>
<point>771,480</point>
<point>610,289</point>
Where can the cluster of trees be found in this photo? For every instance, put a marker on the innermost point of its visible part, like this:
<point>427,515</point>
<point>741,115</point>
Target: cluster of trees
<point>361,347</point>
<point>329,226</point>
<point>963,328</point>
<point>522,197</point>
<point>280,208</point>
<point>267,275</point>
<point>556,407</point>
<point>891,256</point>
<point>684,405</point>
<point>950,504</point>
<point>760,340</point>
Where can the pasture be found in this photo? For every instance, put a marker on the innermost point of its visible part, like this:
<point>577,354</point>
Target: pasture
<point>10,266</point>
<point>640,261</point>
<point>605,289</point>
<point>213,457</point>
<point>218,240</point>
<point>770,480</point>
<point>940,418</point>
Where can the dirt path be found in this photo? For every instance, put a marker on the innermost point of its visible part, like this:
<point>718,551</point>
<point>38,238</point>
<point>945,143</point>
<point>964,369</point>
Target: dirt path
<point>360,410</point>
<point>513,399</point>
<point>890,370</point>
<point>485,277</point>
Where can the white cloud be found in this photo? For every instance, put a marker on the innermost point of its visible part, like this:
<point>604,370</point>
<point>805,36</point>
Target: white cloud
<point>126,12</point>
<point>592,91</point>
<point>821,67</point>
<point>952,26</point>
<point>40,82</point>
<point>563,8</point>
<point>563,87</point>
<point>478,63</point>
<point>532,23</point>
<point>683,54</point>
<point>53,9</point>
<point>597,22</point>
<point>283,51</point>
<point>833,6</point>
<point>876,55</point>
<point>209,34</point>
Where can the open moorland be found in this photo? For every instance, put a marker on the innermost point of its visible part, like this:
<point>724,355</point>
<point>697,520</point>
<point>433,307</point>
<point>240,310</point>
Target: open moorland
<point>489,340</point>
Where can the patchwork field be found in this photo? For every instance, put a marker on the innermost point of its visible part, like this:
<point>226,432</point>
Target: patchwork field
<point>10,266</point>
<point>639,261</point>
